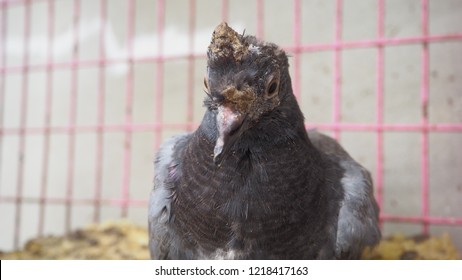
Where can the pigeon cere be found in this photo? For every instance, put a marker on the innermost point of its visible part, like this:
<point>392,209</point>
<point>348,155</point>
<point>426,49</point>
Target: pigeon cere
<point>251,182</point>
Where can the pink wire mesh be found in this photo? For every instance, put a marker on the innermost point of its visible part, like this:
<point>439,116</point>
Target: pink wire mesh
<point>128,127</point>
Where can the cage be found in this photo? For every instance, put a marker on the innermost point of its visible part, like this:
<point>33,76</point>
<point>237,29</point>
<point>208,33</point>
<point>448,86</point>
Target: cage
<point>89,90</point>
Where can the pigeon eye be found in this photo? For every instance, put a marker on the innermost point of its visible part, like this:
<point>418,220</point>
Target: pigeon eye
<point>272,89</point>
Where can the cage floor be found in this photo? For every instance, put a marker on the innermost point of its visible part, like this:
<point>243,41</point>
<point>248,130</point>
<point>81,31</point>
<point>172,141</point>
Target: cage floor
<point>122,240</point>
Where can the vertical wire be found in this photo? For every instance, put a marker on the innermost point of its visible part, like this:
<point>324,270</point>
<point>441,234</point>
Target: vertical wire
<point>379,104</point>
<point>159,87</point>
<point>297,42</point>
<point>260,19</point>
<point>424,106</point>
<point>128,111</point>
<point>224,10</point>
<point>3,15</point>
<point>337,68</point>
<point>72,117</point>
<point>22,124</point>
<point>100,114</point>
<point>190,90</point>
<point>47,120</point>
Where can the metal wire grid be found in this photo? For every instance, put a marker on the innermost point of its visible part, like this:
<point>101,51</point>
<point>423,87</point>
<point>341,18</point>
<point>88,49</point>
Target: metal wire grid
<point>297,48</point>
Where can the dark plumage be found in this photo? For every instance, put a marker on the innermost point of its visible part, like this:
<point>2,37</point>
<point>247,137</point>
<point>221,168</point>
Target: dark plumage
<point>250,182</point>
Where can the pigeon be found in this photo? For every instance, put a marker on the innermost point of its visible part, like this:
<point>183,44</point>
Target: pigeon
<point>251,182</point>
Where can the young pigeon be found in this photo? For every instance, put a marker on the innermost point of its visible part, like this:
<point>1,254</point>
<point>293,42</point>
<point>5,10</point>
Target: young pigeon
<point>251,182</point>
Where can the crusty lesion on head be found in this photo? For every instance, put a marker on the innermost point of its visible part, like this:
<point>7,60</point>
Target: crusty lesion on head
<point>241,99</point>
<point>227,43</point>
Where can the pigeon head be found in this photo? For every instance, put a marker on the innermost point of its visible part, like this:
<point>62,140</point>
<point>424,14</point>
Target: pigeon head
<point>245,80</point>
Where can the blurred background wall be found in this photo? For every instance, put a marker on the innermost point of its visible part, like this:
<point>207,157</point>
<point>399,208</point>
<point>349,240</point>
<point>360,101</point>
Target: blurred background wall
<point>89,89</point>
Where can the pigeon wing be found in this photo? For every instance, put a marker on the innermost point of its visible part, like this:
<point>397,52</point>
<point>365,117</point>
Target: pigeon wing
<point>161,238</point>
<point>359,213</point>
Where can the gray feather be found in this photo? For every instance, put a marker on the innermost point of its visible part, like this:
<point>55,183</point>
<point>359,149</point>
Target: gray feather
<point>160,239</point>
<point>359,213</point>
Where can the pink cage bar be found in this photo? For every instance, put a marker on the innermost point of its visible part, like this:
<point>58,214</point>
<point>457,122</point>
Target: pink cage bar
<point>158,126</point>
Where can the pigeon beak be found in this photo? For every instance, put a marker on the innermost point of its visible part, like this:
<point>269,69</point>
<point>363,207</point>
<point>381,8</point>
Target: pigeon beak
<point>228,122</point>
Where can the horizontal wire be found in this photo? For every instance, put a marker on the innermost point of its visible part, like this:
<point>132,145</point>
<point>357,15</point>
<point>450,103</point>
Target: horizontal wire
<point>146,127</point>
<point>144,203</point>
<point>421,219</point>
<point>302,48</point>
